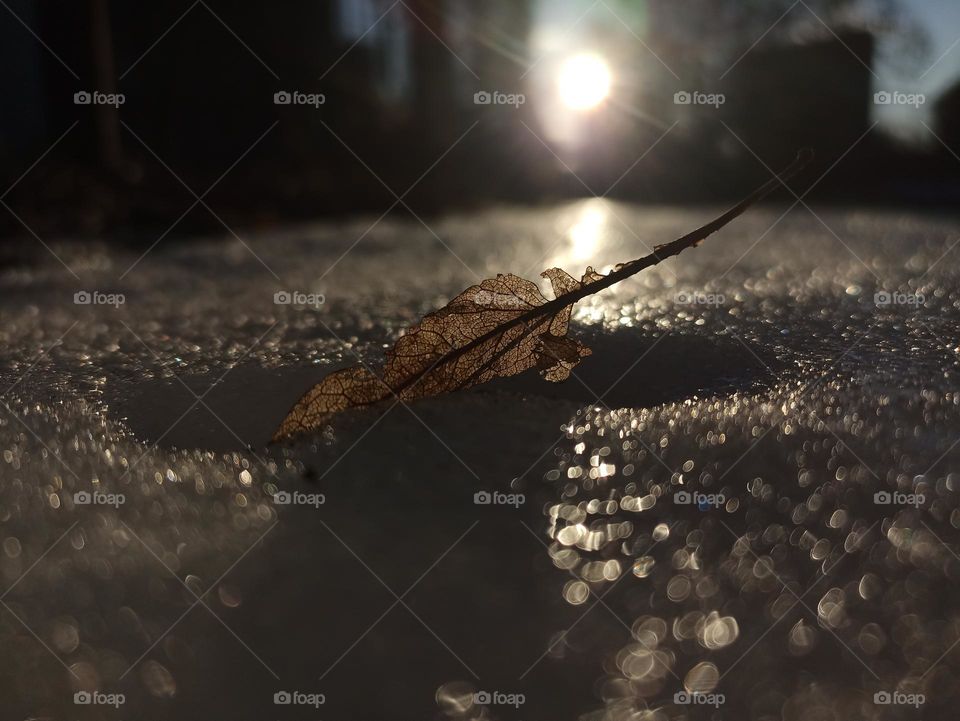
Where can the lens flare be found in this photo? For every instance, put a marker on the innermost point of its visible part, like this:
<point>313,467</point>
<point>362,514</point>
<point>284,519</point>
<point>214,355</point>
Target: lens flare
<point>584,82</point>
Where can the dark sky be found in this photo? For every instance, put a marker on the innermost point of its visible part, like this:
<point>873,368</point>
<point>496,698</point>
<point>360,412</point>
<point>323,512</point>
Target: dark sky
<point>941,20</point>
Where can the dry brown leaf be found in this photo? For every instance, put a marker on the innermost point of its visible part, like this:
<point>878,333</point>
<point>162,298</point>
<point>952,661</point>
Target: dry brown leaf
<point>499,328</point>
<point>413,368</point>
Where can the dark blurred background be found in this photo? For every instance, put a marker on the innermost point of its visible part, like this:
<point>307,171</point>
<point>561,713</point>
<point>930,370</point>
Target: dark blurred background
<point>644,100</point>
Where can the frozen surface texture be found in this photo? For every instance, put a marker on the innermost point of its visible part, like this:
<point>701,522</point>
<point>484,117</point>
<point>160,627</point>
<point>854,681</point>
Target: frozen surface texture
<point>749,490</point>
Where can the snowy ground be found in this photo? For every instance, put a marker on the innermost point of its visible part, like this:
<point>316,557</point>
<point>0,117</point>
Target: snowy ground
<point>786,396</point>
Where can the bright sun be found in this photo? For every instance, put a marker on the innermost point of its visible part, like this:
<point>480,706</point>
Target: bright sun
<point>584,81</point>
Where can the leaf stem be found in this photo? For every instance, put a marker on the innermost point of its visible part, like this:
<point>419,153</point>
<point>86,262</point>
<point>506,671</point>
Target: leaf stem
<point>659,254</point>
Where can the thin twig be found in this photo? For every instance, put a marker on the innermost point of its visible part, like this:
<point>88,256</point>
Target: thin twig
<point>659,254</point>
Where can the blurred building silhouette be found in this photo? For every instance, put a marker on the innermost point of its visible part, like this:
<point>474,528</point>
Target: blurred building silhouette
<point>947,117</point>
<point>776,100</point>
<point>399,82</point>
<point>22,116</point>
<point>817,95</point>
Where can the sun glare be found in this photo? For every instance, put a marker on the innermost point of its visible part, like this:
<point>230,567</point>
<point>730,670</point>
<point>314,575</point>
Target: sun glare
<point>584,82</point>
